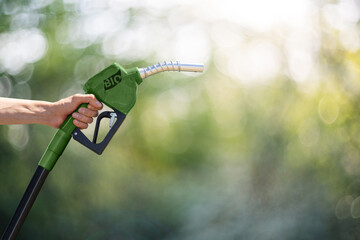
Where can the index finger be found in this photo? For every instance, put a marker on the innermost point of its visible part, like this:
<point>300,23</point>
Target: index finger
<point>95,104</point>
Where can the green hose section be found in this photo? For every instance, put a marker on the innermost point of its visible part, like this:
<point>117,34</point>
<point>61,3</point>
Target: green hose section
<point>58,143</point>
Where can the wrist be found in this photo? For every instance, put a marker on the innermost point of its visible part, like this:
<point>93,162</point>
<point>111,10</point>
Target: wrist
<point>44,113</point>
<point>51,116</point>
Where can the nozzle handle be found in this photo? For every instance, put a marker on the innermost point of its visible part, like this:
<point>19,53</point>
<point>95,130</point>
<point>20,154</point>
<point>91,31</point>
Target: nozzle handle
<point>93,145</point>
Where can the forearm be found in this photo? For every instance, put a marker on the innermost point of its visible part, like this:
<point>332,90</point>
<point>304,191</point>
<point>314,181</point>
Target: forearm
<point>20,111</point>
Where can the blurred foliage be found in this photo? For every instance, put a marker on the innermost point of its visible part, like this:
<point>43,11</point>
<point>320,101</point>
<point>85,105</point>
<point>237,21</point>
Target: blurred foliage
<point>263,145</point>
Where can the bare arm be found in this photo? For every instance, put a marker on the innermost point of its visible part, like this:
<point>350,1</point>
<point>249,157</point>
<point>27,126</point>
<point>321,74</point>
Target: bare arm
<point>20,111</point>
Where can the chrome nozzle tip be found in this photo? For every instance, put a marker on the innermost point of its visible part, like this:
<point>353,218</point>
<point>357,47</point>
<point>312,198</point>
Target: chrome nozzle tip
<point>170,66</point>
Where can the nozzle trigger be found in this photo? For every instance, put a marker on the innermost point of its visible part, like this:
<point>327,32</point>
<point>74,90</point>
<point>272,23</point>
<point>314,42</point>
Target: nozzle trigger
<point>112,119</point>
<point>114,126</point>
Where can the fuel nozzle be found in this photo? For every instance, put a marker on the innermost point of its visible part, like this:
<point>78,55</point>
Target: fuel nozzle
<point>116,87</point>
<point>170,66</point>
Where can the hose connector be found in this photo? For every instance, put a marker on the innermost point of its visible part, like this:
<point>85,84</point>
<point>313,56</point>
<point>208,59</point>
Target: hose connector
<point>170,66</point>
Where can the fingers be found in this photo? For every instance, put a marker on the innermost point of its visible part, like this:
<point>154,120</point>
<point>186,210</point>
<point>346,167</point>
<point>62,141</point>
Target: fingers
<point>87,98</point>
<point>88,112</point>
<point>80,125</point>
<point>84,116</point>
<point>92,108</point>
<point>81,120</point>
<point>94,104</point>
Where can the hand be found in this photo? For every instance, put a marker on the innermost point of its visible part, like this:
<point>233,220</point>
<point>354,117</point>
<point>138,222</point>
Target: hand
<point>66,106</point>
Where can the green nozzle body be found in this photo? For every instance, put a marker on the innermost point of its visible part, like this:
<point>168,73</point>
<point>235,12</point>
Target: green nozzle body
<point>116,87</point>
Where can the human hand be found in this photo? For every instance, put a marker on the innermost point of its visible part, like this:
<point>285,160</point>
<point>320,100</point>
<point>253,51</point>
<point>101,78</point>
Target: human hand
<point>66,106</point>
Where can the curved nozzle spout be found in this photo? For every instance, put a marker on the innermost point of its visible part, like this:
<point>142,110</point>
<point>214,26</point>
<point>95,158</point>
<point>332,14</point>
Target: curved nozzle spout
<point>170,66</point>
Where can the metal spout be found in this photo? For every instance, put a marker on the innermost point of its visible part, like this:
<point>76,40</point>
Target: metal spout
<point>170,66</point>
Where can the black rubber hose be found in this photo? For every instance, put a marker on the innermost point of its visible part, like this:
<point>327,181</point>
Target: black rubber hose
<point>25,204</point>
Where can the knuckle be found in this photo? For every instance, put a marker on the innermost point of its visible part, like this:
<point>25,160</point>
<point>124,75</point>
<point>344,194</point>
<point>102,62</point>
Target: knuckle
<point>81,125</point>
<point>92,113</point>
<point>76,98</point>
<point>89,113</point>
<point>76,123</point>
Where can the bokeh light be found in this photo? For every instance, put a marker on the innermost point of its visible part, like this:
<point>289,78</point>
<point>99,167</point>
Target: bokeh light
<point>21,47</point>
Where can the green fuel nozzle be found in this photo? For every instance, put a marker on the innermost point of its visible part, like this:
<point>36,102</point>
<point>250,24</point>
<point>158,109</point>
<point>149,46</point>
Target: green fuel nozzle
<point>116,87</point>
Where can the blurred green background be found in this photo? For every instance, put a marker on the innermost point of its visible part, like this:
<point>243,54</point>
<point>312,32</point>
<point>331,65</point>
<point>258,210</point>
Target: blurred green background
<point>265,144</point>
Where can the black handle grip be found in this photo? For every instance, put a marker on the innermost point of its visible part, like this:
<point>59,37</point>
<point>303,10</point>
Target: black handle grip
<point>100,147</point>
